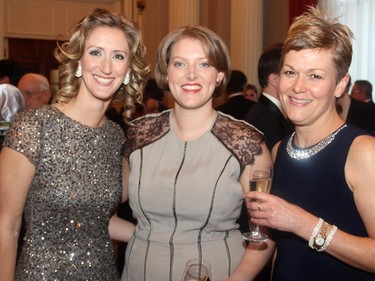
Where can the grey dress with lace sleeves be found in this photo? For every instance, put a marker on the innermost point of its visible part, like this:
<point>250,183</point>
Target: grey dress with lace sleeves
<point>186,196</point>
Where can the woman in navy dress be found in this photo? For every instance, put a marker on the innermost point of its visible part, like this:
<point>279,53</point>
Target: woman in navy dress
<point>321,211</point>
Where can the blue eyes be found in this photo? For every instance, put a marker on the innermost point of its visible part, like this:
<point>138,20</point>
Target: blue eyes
<point>181,64</point>
<point>97,53</point>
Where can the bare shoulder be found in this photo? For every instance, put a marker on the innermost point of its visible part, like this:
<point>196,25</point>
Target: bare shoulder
<point>360,176</point>
<point>362,148</point>
<point>361,162</point>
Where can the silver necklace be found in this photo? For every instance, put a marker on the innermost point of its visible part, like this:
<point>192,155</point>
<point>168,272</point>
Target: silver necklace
<point>304,153</point>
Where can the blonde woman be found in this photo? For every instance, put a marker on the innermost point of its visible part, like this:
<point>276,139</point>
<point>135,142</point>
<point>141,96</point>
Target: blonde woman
<point>61,164</point>
<point>322,207</point>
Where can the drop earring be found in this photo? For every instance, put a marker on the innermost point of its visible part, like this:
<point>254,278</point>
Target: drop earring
<point>127,79</point>
<point>79,70</point>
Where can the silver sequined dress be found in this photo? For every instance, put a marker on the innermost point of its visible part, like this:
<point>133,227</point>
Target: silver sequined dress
<point>76,188</point>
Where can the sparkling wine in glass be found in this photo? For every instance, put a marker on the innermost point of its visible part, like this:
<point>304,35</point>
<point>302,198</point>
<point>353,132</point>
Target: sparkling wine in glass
<point>261,181</point>
<point>197,270</point>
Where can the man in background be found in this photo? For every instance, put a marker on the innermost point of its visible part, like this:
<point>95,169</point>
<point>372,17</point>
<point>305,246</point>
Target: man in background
<point>362,91</point>
<point>267,115</point>
<point>35,89</point>
<point>356,112</point>
<point>236,105</point>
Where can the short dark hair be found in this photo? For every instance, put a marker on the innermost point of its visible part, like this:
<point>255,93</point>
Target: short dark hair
<point>12,69</point>
<point>237,82</point>
<point>364,86</point>
<point>252,87</point>
<point>153,90</point>
<point>269,63</point>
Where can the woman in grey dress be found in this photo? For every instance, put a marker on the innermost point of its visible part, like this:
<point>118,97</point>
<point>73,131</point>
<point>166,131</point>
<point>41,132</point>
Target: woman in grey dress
<point>188,166</point>
<point>61,164</point>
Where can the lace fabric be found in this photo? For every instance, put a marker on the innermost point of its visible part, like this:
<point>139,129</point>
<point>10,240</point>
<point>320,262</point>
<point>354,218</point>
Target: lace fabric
<point>146,130</point>
<point>242,139</point>
<point>239,137</point>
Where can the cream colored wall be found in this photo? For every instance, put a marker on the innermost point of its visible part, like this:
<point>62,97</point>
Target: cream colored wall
<point>275,21</point>
<point>155,26</point>
<point>43,19</point>
<point>2,29</point>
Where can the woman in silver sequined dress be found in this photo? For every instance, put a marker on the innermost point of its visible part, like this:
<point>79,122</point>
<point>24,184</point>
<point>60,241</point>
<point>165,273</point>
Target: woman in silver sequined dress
<point>61,164</point>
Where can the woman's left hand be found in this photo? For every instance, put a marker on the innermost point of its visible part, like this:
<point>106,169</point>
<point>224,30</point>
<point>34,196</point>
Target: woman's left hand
<point>274,212</point>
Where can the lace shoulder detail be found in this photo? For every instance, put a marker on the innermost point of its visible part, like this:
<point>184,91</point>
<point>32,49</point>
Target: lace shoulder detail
<point>146,130</point>
<point>239,137</point>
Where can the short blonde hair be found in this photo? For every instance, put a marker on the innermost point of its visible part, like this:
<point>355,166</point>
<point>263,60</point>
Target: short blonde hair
<point>315,29</point>
<point>216,51</point>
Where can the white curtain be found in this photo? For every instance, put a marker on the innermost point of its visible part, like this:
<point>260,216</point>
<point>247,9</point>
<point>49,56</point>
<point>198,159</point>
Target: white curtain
<point>356,14</point>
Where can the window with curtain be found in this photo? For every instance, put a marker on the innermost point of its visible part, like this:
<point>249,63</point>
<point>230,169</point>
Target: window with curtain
<point>356,14</point>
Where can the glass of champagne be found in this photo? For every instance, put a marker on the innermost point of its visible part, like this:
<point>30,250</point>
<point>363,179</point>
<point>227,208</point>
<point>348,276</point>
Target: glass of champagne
<point>197,270</point>
<point>260,180</point>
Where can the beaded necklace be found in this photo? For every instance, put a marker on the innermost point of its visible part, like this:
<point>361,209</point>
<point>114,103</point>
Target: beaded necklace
<point>304,153</point>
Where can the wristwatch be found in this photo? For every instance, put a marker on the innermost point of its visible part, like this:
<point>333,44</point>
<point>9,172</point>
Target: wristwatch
<point>321,237</point>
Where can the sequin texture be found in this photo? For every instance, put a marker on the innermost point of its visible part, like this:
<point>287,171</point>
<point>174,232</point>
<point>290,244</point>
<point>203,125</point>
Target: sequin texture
<point>76,188</point>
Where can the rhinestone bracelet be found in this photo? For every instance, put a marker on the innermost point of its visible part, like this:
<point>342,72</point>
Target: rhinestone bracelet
<point>315,232</point>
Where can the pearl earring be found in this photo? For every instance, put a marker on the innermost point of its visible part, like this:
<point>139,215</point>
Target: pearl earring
<point>127,79</point>
<point>79,71</point>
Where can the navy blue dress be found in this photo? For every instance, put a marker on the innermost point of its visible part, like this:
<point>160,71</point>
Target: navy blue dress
<point>317,184</point>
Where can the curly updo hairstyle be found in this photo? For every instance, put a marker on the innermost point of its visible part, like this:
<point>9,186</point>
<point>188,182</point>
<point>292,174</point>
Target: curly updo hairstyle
<point>69,53</point>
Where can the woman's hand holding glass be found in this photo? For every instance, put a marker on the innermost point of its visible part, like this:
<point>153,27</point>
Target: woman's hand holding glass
<point>260,180</point>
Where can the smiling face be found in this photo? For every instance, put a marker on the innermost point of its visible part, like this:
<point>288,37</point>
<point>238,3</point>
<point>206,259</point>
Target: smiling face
<point>105,63</point>
<point>308,85</point>
<point>191,79</point>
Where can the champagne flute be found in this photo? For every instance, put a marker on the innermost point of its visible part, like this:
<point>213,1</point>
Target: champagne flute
<point>197,270</point>
<point>260,180</point>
